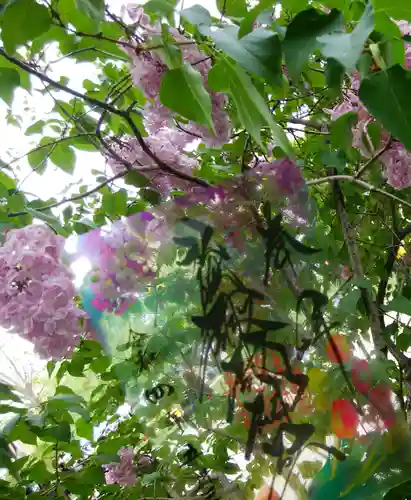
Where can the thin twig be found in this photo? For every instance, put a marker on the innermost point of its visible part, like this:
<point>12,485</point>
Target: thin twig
<point>365,185</point>
<point>372,160</point>
<point>73,198</point>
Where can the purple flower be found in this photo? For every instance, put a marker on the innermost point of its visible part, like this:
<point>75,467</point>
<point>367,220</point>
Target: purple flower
<point>123,473</point>
<point>37,292</point>
<point>397,166</point>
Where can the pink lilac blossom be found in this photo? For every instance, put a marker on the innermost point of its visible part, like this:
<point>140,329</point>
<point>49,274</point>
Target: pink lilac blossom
<point>405,29</point>
<point>124,472</point>
<point>148,69</point>
<point>37,292</point>
<point>123,259</point>
<point>283,176</point>
<point>397,166</point>
<point>167,145</point>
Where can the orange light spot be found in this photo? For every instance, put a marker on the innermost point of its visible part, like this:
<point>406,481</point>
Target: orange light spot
<point>344,419</point>
<point>338,343</point>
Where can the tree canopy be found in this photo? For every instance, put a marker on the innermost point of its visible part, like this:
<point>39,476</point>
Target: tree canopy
<point>238,201</point>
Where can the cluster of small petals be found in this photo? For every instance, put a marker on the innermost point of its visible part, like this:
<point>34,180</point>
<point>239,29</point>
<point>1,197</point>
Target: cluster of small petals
<point>37,292</point>
<point>148,69</point>
<point>168,146</point>
<point>284,174</point>
<point>124,472</point>
<point>123,259</point>
<point>397,166</point>
<point>405,29</point>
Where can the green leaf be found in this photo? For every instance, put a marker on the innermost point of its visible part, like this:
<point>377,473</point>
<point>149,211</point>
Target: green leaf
<point>341,134</point>
<point>136,179</point>
<point>16,203</point>
<point>7,181</point>
<point>60,432</point>
<point>246,25</point>
<point>348,303</point>
<point>22,432</point>
<point>50,219</point>
<point>301,37</point>
<point>258,52</point>
<point>347,47</point>
<point>196,15</point>
<point>400,305</point>
<point>63,156</point>
<point>387,95</point>
<point>92,8</point>
<point>232,8</point>
<point>120,202</point>
<point>23,20</point>
<point>100,365</point>
<point>394,8</point>
<point>9,80</point>
<point>84,429</point>
<point>6,394</point>
<point>35,128</point>
<point>12,409</point>
<point>251,108</point>
<point>191,101</point>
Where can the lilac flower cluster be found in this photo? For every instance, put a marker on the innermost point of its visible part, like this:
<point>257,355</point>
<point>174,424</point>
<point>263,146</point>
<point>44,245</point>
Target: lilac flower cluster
<point>396,160</point>
<point>165,140</point>
<point>123,259</point>
<point>124,472</point>
<point>37,291</point>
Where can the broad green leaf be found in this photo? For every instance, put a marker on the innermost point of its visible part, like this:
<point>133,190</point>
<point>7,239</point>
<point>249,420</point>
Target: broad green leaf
<point>16,203</point>
<point>84,429</point>
<point>341,134</point>
<point>197,15</point>
<point>92,8</point>
<point>50,219</point>
<point>36,128</point>
<point>9,80</point>
<point>247,23</point>
<point>387,95</point>
<point>232,8</point>
<point>72,13</point>
<point>251,108</point>
<point>258,52</point>
<point>347,47</point>
<point>24,76</point>
<point>136,179</point>
<point>348,303</point>
<point>400,305</point>
<point>182,90</point>
<point>63,156</point>
<point>7,181</point>
<point>393,8</point>
<point>22,21</point>
<point>301,36</point>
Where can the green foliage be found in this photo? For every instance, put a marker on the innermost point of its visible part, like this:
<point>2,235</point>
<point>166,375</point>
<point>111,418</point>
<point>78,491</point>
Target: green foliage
<point>387,94</point>
<point>192,101</point>
<point>258,270</point>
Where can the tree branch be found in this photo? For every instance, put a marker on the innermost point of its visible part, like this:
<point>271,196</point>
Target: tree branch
<point>358,272</point>
<point>373,159</point>
<point>364,185</point>
<point>73,198</point>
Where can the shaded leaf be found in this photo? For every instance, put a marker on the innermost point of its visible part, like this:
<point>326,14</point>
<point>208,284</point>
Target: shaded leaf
<point>9,81</point>
<point>301,36</point>
<point>258,52</point>
<point>387,95</point>
<point>347,47</point>
<point>251,107</point>
<point>196,15</point>
<point>192,100</point>
<point>23,20</point>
